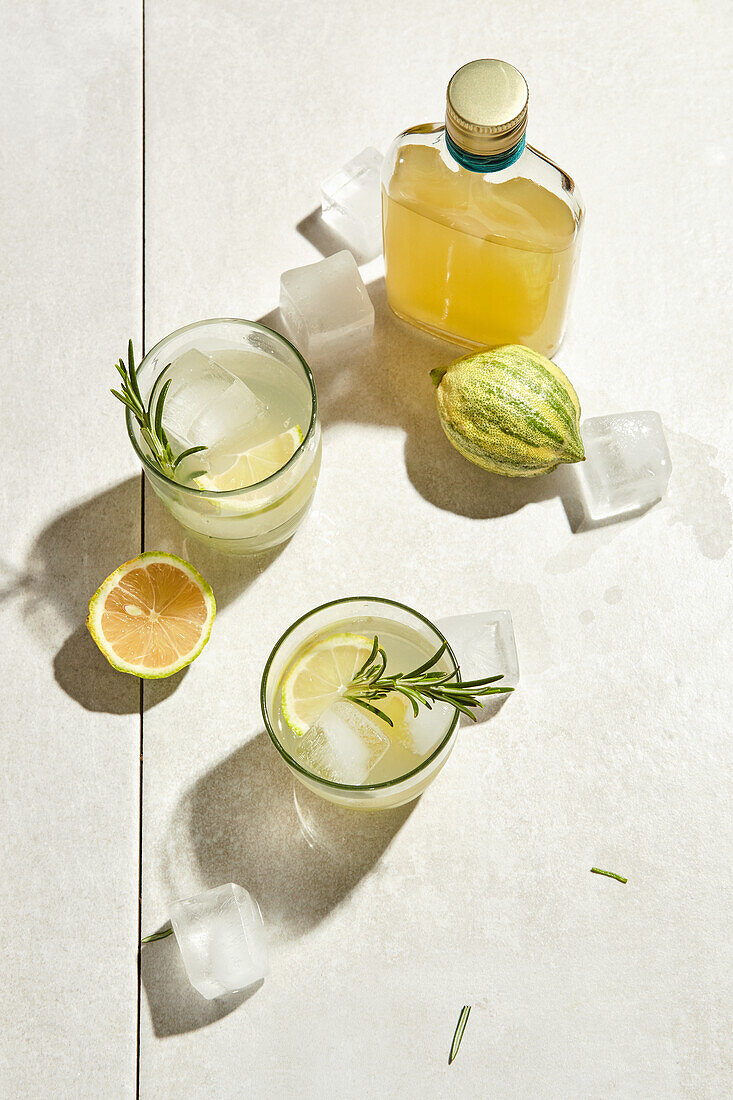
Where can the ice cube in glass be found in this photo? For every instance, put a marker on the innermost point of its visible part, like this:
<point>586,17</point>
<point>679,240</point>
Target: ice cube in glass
<point>351,203</point>
<point>344,745</point>
<point>419,734</point>
<point>205,401</point>
<point>484,645</point>
<point>627,464</point>
<point>326,307</point>
<point>222,940</point>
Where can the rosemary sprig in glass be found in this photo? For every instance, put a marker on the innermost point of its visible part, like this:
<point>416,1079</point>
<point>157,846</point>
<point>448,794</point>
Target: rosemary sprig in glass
<point>423,686</point>
<point>150,417</point>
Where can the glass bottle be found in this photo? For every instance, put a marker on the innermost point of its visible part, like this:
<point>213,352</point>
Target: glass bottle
<point>481,231</point>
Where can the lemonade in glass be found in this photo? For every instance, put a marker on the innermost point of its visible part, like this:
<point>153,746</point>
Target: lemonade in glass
<point>237,403</point>
<point>362,697</point>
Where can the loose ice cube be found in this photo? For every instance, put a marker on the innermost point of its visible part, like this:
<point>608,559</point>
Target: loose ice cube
<point>205,401</point>
<point>326,307</point>
<point>222,940</point>
<point>484,645</point>
<point>343,745</point>
<point>351,203</point>
<point>627,463</point>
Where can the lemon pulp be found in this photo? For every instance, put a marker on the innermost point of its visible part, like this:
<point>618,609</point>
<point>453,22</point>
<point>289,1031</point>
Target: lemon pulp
<point>152,616</point>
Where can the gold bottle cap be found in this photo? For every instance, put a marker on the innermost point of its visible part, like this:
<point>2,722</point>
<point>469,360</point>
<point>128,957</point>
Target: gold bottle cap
<point>486,112</point>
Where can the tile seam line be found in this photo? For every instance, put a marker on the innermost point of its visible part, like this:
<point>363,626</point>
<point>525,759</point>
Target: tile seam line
<point>142,548</point>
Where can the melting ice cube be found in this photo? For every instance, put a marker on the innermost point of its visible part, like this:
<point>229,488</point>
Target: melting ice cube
<point>326,307</point>
<point>205,401</point>
<point>484,645</point>
<point>418,734</point>
<point>222,940</point>
<point>627,464</point>
<point>343,745</point>
<point>351,203</point>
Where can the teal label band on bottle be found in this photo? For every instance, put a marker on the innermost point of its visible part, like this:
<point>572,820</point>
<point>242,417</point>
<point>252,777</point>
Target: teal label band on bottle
<point>484,164</point>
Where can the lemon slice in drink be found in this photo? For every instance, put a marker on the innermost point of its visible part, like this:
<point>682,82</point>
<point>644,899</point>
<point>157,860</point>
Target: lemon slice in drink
<point>152,616</point>
<point>320,676</point>
<point>254,465</point>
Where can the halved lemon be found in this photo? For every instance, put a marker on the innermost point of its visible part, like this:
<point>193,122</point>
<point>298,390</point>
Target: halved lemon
<point>254,465</point>
<point>320,676</point>
<point>152,616</point>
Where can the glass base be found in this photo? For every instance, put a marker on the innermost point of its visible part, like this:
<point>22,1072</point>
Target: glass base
<point>256,544</point>
<point>388,798</point>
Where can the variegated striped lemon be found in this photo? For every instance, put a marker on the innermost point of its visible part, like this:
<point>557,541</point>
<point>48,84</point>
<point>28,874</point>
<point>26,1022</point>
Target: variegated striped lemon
<point>509,410</point>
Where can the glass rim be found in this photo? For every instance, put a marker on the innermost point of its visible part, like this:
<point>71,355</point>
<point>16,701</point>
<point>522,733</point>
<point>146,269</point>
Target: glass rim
<point>215,494</point>
<point>352,787</point>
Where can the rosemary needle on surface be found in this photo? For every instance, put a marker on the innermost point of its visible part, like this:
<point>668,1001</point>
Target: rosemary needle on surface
<point>458,1035</point>
<point>609,874</point>
<point>157,936</point>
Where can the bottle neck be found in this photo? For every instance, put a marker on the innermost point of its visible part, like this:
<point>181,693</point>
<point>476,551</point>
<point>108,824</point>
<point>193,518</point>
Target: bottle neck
<point>476,163</point>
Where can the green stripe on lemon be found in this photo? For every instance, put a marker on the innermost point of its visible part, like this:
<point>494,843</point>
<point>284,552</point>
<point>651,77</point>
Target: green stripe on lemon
<point>509,410</point>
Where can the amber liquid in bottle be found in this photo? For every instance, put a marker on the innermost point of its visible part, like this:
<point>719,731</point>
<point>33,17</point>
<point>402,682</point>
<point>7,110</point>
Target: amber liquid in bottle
<point>481,255</point>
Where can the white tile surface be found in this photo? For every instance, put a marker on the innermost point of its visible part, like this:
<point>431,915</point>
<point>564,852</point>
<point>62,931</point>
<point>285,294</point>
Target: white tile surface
<point>69,513</point>
<point>611,753</point>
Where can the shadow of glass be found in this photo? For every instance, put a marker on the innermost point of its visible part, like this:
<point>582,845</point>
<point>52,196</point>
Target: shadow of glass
<point>248,821</point>
<point>175,1006</point>
<point>72,555</point>
<point>68,561</point>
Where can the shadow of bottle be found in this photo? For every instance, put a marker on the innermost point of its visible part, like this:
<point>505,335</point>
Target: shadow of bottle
<point>389,384</point>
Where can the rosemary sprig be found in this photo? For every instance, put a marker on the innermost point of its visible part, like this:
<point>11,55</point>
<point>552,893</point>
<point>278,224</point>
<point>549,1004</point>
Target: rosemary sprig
<point>609,874</point>
<point>150,417</point>
<point>458,1034</point>
<point>422,686</point>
